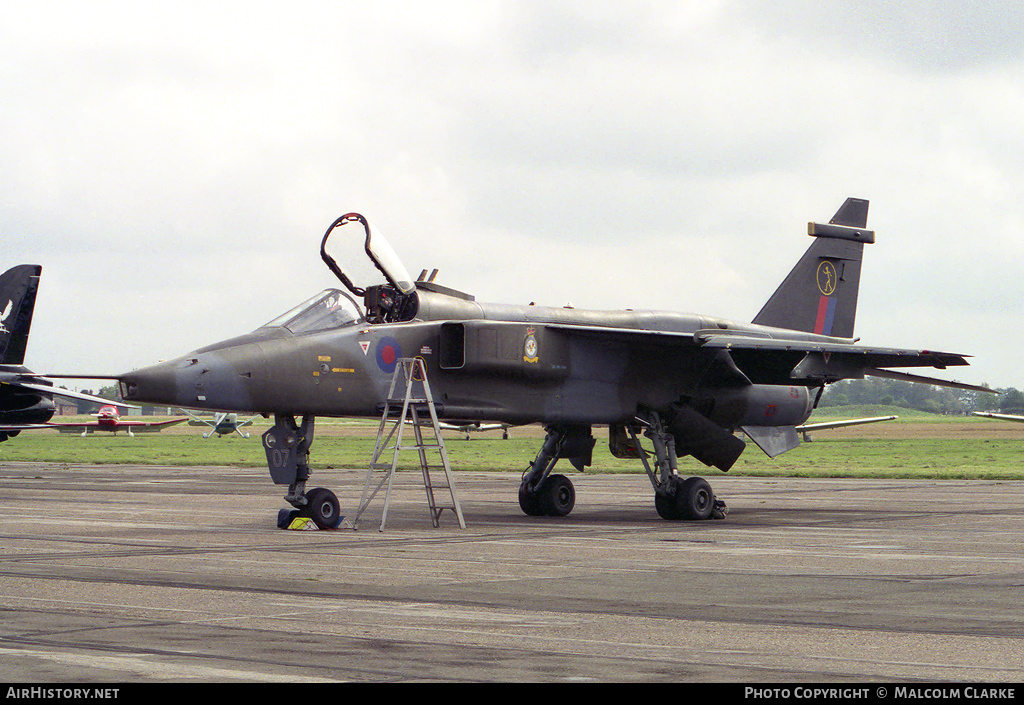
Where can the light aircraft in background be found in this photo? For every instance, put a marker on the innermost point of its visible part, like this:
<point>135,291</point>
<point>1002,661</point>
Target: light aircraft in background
<point>469,427</point>
<point>222,424</point>
<point>476,427</point>
<point>686,382</point>
<point>109,419</point>
<point>26,399</point>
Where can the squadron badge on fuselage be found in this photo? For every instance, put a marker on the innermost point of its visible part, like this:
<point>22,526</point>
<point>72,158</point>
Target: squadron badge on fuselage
<point>530,346</point>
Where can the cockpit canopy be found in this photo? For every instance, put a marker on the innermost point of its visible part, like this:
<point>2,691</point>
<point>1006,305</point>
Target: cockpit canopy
<point>331,308</point>
<point>392,300</point>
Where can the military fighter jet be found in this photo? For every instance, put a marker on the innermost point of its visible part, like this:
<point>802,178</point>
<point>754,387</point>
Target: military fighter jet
<point>26,399</point>
<point>686,382</point>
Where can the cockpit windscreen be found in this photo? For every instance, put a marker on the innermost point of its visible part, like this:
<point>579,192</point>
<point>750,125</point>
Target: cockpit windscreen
<point>329,309</point>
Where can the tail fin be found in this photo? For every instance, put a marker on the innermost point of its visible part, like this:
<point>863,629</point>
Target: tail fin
<point>820,293</point>
<point>18,287</point>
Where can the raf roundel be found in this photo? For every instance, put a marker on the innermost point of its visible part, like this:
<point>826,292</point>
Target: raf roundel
<point>388,354</point>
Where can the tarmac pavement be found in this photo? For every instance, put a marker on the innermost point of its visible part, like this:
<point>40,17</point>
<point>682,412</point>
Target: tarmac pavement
<point>140,574</point>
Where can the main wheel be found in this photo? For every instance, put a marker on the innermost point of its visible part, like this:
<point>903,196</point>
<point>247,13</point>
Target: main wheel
<point>555,497</point>
<point>529,502</point>
<point>666,499</point>
<point>558,496</point>
<point>665,505</point>
<point>694,498</point>
<point>323,508</point>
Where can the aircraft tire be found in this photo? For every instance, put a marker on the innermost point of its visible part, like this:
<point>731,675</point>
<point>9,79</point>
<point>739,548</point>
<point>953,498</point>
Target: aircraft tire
<point>322,507</point>
<point>529,502</point>
<point>694,499</point>
<point>558,496</point>
<point>665,505</point>
<point>285,517</point>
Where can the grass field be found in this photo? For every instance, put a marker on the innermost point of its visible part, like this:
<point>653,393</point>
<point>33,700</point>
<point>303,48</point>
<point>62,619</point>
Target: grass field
<point>917,445</point>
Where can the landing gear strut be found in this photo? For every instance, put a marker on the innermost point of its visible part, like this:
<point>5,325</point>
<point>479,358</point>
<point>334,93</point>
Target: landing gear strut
<point>674,497</point>
<point>544,494</point>
<point>287,446</point>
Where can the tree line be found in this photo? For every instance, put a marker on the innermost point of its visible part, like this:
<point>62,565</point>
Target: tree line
<point>923,397</point>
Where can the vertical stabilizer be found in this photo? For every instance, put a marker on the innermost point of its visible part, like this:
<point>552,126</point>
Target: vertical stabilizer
<point>820,293</point>
<point>18,287</point>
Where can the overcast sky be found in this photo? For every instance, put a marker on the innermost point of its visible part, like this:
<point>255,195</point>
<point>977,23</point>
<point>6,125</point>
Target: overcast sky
<point>173,166</point>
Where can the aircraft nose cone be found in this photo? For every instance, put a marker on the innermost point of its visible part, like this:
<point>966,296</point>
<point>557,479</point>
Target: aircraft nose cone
<point>157,384</point>
<point>207,380</point>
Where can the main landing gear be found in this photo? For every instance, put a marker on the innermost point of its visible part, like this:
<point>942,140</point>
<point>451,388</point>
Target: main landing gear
<point>287,446</point>
<point>545,494</point>
<point>674,497</point>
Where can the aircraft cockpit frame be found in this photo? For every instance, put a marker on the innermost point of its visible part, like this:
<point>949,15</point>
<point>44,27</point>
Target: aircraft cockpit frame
<point>392,302</point>
<point>330,309</point>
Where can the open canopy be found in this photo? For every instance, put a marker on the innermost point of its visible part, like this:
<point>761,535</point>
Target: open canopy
<point>341,241</point>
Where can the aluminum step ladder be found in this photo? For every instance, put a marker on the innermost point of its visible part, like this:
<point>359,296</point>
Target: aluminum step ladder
<point>399,412</point>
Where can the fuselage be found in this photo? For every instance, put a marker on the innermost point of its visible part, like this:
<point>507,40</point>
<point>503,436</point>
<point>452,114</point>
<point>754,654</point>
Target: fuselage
<point>485,362</point>
<point>22,406</point>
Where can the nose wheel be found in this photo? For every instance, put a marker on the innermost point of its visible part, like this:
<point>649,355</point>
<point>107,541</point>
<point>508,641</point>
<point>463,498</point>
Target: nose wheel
<point>321,506</point>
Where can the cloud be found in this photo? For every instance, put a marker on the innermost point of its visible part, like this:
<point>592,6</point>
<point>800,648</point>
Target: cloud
<point>178,157</point>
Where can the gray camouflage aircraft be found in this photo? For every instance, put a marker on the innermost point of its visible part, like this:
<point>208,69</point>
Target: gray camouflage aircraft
<point>686,382</point>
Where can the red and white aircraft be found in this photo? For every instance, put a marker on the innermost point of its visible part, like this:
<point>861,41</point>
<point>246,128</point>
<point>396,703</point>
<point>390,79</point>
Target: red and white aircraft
<point>109,419</point>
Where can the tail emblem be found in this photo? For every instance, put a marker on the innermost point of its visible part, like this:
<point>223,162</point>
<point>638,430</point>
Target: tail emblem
<point>4,315</point>
<point>827,281</point>
<point>827,278</point>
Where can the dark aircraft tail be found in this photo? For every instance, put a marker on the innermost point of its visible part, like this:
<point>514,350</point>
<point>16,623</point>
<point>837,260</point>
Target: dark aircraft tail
<point>18,287</point>
<point>820,293</point>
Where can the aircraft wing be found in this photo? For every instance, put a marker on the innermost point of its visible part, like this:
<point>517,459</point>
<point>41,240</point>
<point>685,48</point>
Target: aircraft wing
<point>149,425</point>
<point>72,427</point>
<point>825,425</point>
<point>195,420</point>
<point>5,428</point>
<point>811,362</point>
<point>1001,417</point>
<point>135,426</point>
<point>56,391</point>
<point>473,426</point>
<point>766,360</point>
<point>835,354</point>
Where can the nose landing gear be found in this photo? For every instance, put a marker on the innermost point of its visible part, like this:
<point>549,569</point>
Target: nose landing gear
<point>287,446</point>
